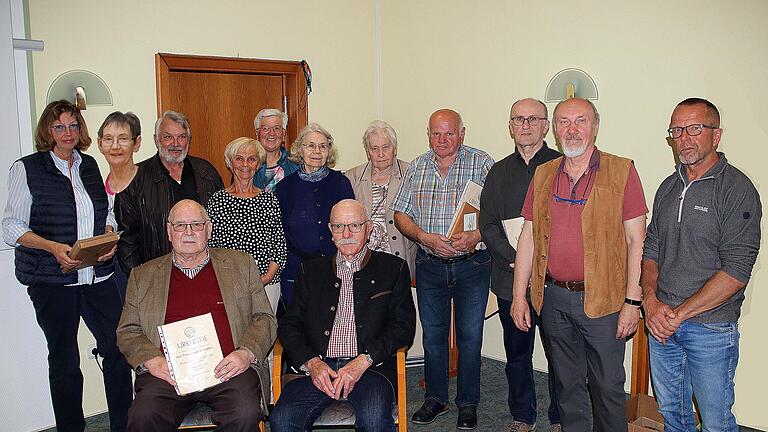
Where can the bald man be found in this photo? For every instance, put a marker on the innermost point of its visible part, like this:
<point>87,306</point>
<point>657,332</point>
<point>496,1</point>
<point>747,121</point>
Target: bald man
<point>351,312</point>
<point>501,200</point>
<point>194,280</point>
<point>446,268</point>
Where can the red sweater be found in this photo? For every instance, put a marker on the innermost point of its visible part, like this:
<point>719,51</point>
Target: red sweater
<point>192,297</point>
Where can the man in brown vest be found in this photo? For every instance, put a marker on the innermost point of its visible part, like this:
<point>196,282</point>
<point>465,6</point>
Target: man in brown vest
<point>581,244</point>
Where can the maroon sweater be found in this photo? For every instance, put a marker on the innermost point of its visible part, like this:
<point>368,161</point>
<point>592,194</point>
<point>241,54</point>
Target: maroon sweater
<point>192,297</point>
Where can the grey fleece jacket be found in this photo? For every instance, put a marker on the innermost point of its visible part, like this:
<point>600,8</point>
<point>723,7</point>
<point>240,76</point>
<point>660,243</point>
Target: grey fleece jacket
<point>700,227</point>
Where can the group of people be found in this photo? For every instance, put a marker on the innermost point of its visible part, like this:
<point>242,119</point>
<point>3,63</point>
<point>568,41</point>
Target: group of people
<point>334,255</point>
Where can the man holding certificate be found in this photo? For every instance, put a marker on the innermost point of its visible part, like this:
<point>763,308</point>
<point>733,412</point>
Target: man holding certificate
<point>191,281</point>
<point>448,266</point>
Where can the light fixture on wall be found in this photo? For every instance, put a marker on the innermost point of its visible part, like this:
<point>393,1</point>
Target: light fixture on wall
<point>77,85</point>
<point>570,83</point>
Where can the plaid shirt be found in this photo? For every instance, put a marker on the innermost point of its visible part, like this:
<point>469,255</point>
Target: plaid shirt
<point>343,341</point>
<point>431,200</point>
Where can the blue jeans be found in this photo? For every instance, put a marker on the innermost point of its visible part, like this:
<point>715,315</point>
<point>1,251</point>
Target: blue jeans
<point>466,282</point>
<point>301,403</point>
<point>518,346</point>
<point>698,359</point>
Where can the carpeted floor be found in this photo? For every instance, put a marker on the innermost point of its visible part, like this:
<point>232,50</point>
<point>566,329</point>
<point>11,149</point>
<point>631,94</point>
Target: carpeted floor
<point>493,413</point>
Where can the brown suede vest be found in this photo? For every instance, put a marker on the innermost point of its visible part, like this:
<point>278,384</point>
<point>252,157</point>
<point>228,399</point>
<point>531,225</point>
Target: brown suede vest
<point>605,246</point>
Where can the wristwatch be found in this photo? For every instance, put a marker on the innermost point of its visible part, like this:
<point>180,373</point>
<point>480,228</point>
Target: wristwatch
<point>368,358</point>
<point>632,302</point>
<point>141,369</point>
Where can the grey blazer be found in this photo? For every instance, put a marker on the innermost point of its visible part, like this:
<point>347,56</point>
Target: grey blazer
<point>360,177</point>
<point>251,320</point>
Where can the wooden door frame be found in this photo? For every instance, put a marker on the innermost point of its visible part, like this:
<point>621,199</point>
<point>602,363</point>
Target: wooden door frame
<point>292,71</point>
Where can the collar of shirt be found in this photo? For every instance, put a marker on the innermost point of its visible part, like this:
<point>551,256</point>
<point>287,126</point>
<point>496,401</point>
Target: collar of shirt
<point>460,155</point>
<point>63,165</point>
<point>193,271</point>
<point>354,264</point>
<point>536,156</point>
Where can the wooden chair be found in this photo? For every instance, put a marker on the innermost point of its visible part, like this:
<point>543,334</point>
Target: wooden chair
<point>341,414</point>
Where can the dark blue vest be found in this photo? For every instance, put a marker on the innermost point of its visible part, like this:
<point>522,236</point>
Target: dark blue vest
<point>53,216</point>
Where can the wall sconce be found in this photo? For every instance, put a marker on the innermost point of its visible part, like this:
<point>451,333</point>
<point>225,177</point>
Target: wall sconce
<point>77,85</point>
<point>570,83</point>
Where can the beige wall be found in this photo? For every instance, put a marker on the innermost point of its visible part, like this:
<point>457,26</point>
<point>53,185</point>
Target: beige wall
<point>476,57</point>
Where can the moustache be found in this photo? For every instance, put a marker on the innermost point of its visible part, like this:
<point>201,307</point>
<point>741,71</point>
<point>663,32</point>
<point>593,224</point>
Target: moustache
<point>346,241</point>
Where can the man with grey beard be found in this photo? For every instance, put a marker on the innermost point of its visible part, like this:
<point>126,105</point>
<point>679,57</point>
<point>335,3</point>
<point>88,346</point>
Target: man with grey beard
<point>584,224</point>
<point>161,181</point>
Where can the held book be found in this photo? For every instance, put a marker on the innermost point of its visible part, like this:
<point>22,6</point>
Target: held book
<point>467,214</point>
<point>192,350</point>
<point>90,249</point>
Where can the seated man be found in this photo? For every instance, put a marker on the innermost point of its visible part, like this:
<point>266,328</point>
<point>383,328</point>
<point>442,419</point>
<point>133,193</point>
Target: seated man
<point>194,280</point>
<point>351,312</point>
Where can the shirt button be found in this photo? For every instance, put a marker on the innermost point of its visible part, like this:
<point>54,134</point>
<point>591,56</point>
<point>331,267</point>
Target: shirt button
<point>321,237</point>
<point>336,284</point>
<point>319,222</point>
<point>318,205</point>
<point>397,253</point>
<point>394,237</point>
<point>373,281</point>
<point>327,333</point>
<point>391,221</point>
<point>546,237</point>
<point>333,308</point>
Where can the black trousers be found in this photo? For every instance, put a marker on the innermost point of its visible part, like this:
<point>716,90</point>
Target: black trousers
<point>588,363</point>
<point>58,310</point>
<point>235,403</point>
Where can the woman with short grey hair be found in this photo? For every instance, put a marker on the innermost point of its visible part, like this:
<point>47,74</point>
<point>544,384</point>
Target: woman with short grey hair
<point>247,218</point>
<point>306,198</point>
<point>376,184</point>
<point>270,125</point>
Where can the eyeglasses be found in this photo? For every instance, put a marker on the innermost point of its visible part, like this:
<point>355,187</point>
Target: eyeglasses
<point>322,148</point>
<point>168,138</point>
<point>691,130</point>
<point>274,129</point>
<point>60,128</point>
<point>122,141</point>
<point>182,226</point>
<point>354,227</point>
<point>532,120</point>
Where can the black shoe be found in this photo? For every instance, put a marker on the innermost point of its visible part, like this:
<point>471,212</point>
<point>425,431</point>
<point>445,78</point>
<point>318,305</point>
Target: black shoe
<point>467,417</point>
<point>429,411</point>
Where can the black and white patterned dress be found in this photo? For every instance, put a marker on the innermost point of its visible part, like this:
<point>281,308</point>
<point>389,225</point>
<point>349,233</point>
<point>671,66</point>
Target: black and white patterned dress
<point>251,225</point>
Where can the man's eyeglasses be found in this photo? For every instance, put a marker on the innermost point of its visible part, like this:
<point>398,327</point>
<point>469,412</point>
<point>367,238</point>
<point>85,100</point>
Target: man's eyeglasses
<point>274,129</point>
<point>182,226</point>
<point>322,148</point>
<point>691,130</point>
<point>532,120</point>
<point>354,227</point>
<point>60,128</point>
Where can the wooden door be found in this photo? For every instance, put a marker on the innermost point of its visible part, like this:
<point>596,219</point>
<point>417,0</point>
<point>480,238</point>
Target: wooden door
<point>221,96</point>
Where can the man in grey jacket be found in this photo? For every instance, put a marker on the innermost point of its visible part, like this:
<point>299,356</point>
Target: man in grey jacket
<point>699,251</point>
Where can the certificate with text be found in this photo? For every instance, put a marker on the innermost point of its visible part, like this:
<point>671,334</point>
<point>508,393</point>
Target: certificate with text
<point>192,350</point>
